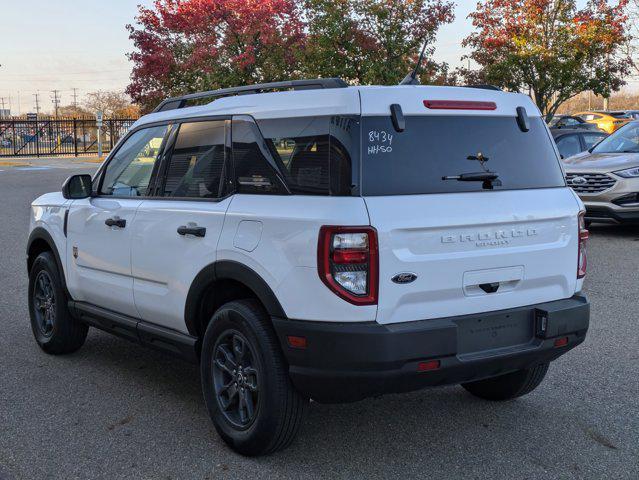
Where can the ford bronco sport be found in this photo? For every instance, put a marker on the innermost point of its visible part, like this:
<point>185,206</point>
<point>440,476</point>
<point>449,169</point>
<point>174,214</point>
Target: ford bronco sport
<point>308,240</point>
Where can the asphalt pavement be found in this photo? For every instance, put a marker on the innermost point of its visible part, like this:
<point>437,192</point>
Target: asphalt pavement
<point>116,410</point>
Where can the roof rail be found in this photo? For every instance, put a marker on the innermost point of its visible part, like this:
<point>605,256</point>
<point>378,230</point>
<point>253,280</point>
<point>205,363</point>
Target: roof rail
<point>180,102</point>
<point>485,87</point>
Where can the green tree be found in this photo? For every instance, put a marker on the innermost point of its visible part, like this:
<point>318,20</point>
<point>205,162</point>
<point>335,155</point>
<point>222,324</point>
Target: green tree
<point>372,41</point>
<point>549,47</point>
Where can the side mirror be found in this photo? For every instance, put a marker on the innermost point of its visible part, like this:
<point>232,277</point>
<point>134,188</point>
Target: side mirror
<point>76,187</point>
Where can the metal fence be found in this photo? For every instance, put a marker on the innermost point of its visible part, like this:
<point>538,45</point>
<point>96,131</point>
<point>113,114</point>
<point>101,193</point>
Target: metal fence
<point>53,137</point>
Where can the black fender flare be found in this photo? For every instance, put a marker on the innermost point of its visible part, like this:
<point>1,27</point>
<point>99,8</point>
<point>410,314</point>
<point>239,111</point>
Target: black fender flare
<point>41,234</point>
<point>229,270</point>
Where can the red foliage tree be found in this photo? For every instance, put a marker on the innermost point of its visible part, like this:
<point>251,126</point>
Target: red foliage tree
<point>190,45</point>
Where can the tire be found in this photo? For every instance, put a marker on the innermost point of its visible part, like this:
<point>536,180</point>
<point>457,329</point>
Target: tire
<point>261,371</point>
<point>509,386</point>
<point>54,328</point>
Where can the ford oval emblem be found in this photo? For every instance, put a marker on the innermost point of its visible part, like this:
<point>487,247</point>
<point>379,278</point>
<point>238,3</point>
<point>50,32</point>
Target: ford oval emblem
<point>404,277</point>
<point>579,181</point>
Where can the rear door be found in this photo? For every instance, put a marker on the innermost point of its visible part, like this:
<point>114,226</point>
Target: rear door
<point>472,246</point>
<point>175,232</point>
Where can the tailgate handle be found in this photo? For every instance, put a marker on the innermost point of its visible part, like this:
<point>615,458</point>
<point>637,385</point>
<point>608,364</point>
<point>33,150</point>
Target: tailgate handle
<point>489,287</point>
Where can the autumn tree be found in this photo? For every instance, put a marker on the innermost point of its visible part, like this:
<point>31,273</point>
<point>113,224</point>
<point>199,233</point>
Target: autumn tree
<point>549,47</point>
<point>74,111</point>
<point>189,45</point>
<point>111,103</point>
<point>184,46</point>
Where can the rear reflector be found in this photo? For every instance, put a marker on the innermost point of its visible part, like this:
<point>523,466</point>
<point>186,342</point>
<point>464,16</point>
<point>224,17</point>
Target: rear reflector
<point>296,342</point>
<point>561,342</point>
<point>459,105</point>
<point>582,258</point>
<point>428,366</point>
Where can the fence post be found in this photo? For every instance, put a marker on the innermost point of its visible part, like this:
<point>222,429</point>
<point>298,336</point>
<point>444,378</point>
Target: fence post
<point>111,134</point>
<point>13,127</point>
<point>37,138</point>
<point>75,136</point>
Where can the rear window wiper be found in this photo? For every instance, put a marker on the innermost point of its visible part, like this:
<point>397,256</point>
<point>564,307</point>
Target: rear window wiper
<point>473,177</point>
<point>489,179</point>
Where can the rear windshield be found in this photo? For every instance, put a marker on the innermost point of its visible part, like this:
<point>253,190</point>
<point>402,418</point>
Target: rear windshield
<point>432,147</point>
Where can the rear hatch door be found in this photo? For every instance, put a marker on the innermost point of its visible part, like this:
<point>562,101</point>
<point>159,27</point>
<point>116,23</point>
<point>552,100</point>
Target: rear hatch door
<point>451,247</point>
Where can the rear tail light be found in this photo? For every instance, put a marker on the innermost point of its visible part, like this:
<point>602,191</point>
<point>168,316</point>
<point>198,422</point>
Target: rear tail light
<point>582,260</point>
<point>347,261</point>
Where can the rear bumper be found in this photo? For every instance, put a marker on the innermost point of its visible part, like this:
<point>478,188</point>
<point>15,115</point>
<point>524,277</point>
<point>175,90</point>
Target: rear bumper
<point>346,362</point>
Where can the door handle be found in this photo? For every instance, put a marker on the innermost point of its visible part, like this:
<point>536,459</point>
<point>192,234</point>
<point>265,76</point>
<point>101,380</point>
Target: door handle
<point>195,231</point>
<point>115,222</point>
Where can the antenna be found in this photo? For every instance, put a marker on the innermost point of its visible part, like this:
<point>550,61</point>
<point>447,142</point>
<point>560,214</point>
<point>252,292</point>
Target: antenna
<point>411,78</point>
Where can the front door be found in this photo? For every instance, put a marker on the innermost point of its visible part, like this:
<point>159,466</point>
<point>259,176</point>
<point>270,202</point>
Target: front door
<point>99,228</point>
<point>175,233</point>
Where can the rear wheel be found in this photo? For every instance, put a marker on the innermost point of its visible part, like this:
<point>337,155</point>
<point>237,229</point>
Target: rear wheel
<point>53,326</point>
<point>247,390</point>
<point>509,386</point>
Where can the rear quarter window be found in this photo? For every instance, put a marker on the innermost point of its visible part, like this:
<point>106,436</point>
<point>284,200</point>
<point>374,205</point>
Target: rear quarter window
<point>432,147</point>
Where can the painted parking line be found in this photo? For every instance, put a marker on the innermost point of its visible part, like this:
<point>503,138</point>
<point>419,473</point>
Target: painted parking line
<point>24,169</point>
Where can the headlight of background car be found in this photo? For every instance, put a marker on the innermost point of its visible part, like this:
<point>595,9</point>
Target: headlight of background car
<point>628,173</point>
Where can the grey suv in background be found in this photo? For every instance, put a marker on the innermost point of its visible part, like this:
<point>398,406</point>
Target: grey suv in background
<point>606,178</point>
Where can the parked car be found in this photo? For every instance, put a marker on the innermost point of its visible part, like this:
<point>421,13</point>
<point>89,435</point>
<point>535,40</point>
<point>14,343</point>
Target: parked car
<point>571,122</point>
<point>607,178</point>
<point>325,242</point>
<point>572,142</point>
<point>606,121</point>
<point>633,114</point>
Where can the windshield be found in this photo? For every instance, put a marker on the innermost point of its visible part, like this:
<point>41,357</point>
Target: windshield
<point>626,139</point>
<point>618,114</point>
<point>436,154</point>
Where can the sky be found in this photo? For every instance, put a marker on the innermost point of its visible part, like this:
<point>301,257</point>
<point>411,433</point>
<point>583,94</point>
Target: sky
<point>82,44</point>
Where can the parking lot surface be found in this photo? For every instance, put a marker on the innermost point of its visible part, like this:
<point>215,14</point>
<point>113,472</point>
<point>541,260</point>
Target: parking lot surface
<point>115,410</point>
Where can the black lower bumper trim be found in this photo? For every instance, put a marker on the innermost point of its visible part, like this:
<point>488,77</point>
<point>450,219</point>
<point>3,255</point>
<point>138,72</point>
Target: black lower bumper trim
<point>351,361</point>
<point>606,214</point>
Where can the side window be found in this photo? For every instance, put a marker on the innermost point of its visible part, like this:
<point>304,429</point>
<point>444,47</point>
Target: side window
<point>591,139</point>
<point>129,171</point>
<point>569,145</point>
<point>254,166</point>
<point>313,152</point>
<point>195,166</point>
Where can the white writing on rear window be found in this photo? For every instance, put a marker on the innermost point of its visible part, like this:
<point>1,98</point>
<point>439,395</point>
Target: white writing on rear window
<point>380,141</point>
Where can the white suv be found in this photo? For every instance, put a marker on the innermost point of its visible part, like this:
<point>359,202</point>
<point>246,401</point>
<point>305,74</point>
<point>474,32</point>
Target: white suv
<point>312,240</point>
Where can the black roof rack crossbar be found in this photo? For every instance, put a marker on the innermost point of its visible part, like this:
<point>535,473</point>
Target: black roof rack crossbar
<point>181,102</point>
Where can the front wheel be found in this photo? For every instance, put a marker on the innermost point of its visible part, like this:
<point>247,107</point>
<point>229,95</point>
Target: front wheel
<point>54,328</point>
<point>509,386</point>
<point>248,393</point>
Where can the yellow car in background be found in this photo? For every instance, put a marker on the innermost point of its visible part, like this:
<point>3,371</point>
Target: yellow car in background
<point>606,121</point>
